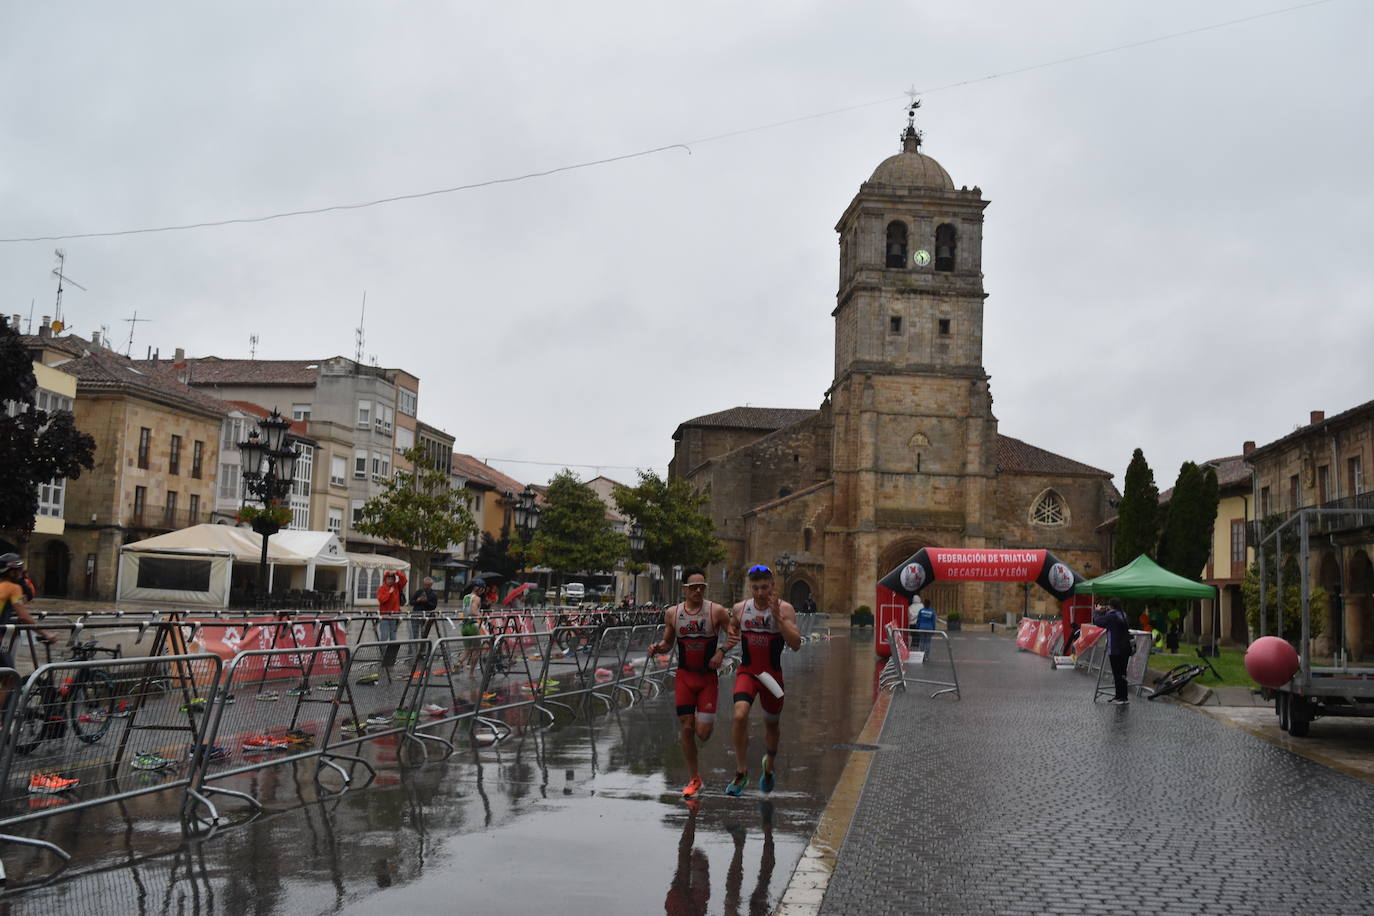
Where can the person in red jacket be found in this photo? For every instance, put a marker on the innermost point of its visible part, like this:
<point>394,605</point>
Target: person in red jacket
<point>389,596</point>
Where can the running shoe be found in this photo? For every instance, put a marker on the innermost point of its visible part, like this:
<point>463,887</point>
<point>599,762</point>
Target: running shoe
<point>299,738</point>
<point>693,788</point>
<point>297,691</point>
<point>766,779</point>
<point>369,679</point>
<point>379,718</point>
<point>229,699</point>
<point>435,710</point>
<point>150,761</point>
<point>736,786</point>
<point>403,715</point>
<point>330,685</point>
<point>269,696</point>
<point>197,704</point>
<point>51,783</point>
<point>261,743</point>
<point>120,709</point>
<point>214,752</point>
<point>349,727</point>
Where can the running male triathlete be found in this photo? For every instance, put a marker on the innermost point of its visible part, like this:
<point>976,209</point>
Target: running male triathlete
<point>765,624</point>
<point>13,597</point>
<point>696,626</point>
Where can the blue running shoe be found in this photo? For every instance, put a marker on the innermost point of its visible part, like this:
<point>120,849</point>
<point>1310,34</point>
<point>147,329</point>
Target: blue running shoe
<point>736,786</point>
<point>766,780</point>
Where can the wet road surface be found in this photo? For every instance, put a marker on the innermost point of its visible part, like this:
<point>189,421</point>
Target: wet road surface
<point>581,818</point>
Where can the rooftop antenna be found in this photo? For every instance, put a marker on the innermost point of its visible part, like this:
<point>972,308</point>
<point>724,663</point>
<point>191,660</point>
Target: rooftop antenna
<point>28,326</point>
<point>133,323</point>
<point>358,333</point>
<point>252,346</point>
<point>105,335</point>
<point>57,323</point>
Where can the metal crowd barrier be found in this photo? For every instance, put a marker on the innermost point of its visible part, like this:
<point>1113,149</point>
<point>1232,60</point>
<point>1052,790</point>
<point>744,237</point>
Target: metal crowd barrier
<point>82,733</point>
<point>903,670</point>
<point>1137,667</point>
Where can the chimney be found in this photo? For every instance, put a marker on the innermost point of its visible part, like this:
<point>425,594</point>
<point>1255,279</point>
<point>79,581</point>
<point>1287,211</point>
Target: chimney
<point>1317,415</point>
<point>95,339</point>
<point>14,323</point>
<point>1247,448</point>
<point>179,356</point>
<point>45,329</point>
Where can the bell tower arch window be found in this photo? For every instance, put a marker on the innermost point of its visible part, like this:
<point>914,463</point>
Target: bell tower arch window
<point>946,243</point>
<point>896,244</point>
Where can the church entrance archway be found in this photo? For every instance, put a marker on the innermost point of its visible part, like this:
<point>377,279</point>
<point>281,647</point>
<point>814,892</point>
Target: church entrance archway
<point>57,565</point>
<point>798,592</point>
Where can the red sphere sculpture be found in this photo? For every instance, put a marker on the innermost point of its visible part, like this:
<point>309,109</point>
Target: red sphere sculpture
<point>1271,661</point>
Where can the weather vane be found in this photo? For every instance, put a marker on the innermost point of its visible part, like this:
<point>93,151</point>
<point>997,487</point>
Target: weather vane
<point>911,136</point>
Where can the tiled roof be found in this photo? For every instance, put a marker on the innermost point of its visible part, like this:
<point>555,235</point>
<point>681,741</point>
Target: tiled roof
<point>748,418</point>
<point>1232,471</point>
<point>1021,457</point>
<point>106,370</point>
<point>1345,416</point>
<point>481,473</point>
<point>211,370</point>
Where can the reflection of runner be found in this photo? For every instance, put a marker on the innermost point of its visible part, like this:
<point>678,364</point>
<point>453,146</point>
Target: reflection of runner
<point>765,624</point>
<point>734,878</point>
<point>690,889</point>
<point>695,626</point>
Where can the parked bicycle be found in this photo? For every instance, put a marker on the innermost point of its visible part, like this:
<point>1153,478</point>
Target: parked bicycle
<point>1175,679</point>
<point>85,700</point>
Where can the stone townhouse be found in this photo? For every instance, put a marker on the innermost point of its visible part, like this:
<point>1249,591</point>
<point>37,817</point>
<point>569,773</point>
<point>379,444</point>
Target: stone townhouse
<point>903,451</point>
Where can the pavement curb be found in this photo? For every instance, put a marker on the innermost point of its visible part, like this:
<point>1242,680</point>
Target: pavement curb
<point>806,889</point>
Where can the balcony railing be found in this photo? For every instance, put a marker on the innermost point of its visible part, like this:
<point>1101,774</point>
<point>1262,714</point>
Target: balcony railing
<point>1358,515</point>
<point>165,518</point>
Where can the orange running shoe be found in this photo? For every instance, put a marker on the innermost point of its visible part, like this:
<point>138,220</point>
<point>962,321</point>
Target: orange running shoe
<point>693,788</point>
<point>50,783</point>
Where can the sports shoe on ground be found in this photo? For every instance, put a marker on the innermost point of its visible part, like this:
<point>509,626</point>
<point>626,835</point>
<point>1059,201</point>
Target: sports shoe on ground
<point>299,738</point>
<point>766,779</point>
<point>50,783</point>
<point>120,709</point>
<point>379,718</point>
<point>372,678</point>
<point>297,691</point>
<point>228,699</point>
<point>1117,701</point>
<point>434,709</point>
<point>268,696</point>
<point>150,761</point>
<point>349,727</point>
<point>736,786</point>
<point>261,743</point>
<point>214,752</point>
<point>693,788</point>
<point>197,704</point>
<point>403,715</point>
<point>330,685</point>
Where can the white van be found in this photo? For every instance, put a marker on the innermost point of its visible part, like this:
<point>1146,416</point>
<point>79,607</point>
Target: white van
<point>574,593</point>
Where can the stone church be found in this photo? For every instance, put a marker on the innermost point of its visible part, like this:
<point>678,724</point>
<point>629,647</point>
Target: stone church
<point>903,452</point>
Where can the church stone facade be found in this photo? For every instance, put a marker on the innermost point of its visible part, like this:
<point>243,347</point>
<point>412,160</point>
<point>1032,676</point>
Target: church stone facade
<point>903,451</point>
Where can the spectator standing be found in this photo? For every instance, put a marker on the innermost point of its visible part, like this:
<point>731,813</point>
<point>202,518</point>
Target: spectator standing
<point>1113,619</point>
<point>424,603</point>
<point>808,605</point>
<point>390,594</point>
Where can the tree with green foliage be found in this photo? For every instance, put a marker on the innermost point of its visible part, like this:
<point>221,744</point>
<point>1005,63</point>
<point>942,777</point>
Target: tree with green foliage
<point>499,555</point>
<point>1186,540</point>
<point>1137,515</point>
<point>36,446</point>
<point>677,530</point>
<point>421,511</point>
<point>1319,602</point>
<point>574,535</point>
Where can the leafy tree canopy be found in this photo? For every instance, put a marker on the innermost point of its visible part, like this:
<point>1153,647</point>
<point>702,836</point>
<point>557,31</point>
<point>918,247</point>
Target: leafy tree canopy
<point>499,555</point>
<point>677,530</point>
<point>36,446</point>
<point>421,511</point>
<point>574,534</point>
<point>1186,541</point>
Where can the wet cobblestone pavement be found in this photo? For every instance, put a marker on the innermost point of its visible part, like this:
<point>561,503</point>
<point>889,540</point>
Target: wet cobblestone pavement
<point>581,818</point>
<point>1025,797</point>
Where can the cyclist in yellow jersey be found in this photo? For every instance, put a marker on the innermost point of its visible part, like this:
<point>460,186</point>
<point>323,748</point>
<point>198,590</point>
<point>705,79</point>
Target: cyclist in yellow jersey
<point>13,599</point>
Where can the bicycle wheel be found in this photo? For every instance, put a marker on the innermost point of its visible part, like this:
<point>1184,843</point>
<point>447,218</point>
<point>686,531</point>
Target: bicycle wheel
<point>91,706</point>
<point>1175,678</point>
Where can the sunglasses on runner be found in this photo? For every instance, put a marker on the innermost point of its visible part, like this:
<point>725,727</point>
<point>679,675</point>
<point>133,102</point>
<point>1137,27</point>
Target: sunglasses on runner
<point>694,585</point>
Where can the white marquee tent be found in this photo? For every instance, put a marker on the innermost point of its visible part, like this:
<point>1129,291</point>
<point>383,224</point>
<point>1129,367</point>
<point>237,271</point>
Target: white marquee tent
<point>195,565</point>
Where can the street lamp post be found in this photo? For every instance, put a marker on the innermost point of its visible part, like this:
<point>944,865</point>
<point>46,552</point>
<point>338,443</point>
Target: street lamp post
<point>786,565</point>
<point>636,550</point>
<point>268,469</point>
<point>527,513</point>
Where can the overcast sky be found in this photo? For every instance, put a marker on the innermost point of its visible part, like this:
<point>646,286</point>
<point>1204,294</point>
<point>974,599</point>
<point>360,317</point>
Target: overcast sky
<point>1177,251</point>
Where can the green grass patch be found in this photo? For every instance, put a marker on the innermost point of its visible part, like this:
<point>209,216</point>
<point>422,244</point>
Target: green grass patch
<point>1231,666</point>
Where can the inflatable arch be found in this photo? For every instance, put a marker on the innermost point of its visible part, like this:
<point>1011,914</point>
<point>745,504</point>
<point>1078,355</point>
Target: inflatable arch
<point>968,564</point>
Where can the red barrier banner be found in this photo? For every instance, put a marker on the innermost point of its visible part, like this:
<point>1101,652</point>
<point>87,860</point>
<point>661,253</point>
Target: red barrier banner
<point>269,633</point>
<point>1088,635</point>
<point>1044,636</point>
<point>1026,633</point>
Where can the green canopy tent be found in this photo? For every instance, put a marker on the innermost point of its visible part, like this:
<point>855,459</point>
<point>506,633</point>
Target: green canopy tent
<point>1144,578</point>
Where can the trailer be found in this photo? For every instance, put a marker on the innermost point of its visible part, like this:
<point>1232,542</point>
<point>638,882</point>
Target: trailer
<point>1338,689</point>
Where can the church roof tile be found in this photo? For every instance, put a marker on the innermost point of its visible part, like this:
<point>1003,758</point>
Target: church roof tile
<point>767,418</point>
<point>1016,456</point>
